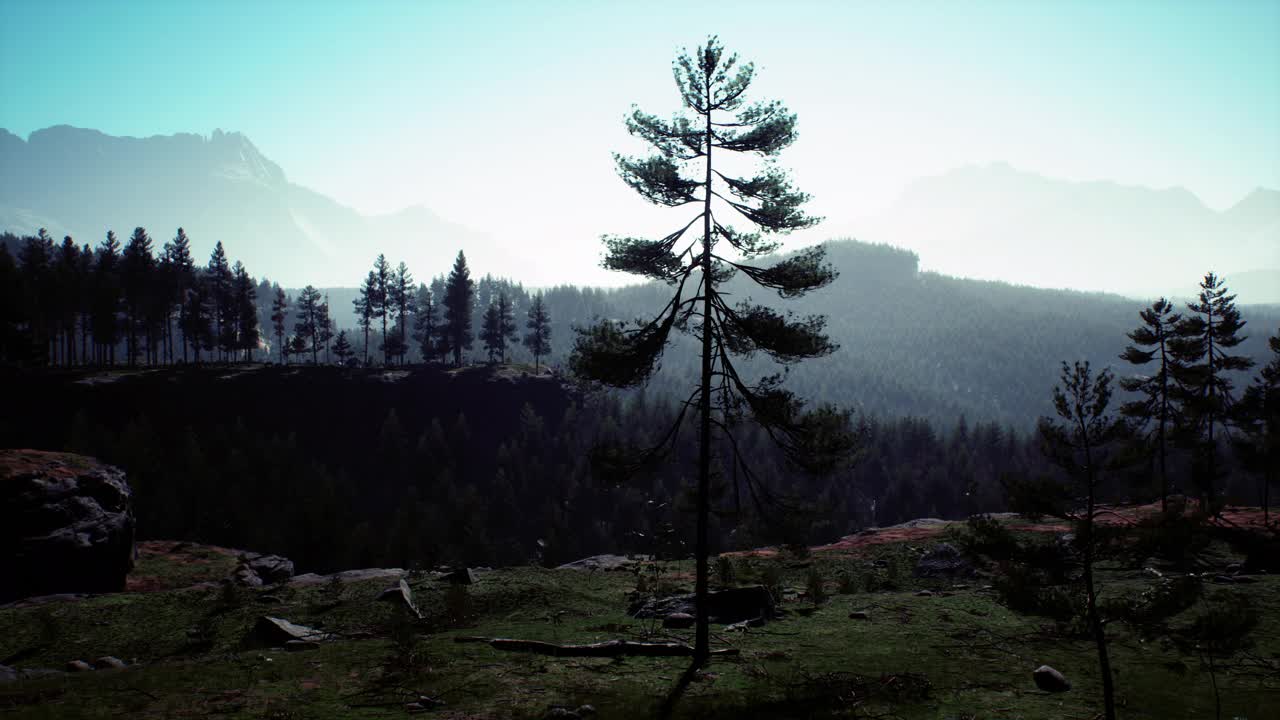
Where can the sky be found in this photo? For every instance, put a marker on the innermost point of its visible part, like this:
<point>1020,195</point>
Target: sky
<point>503,115</point>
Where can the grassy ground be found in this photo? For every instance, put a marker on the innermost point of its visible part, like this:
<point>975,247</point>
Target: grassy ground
<point>955,654</point>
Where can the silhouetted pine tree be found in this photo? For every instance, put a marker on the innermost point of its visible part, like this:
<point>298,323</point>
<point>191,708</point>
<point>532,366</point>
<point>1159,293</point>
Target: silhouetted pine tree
<point>1204,387</point>
<point>246,296</point>
<point>342,348</point>
<point>1257,415</point>
<point>366,308</point>
<point>459,293</point>
<point>106,323</point>
<point>403,301</point>
<point>324,327</point>
<point>538,339</point>
<point>68,298</point>
<point>713,89</point>
<point>279,313</point>
<point>425,325</point>
<point>1155,408</point>
<point>491,332</point>
<point>136,267</point>
<point>184,269</point>
<point>85,300</point>
<point>10,306</point>
<point>219,294</point>
<point>307,324</point>
<point>197,327</point>
<point>1078,444</point>
<point>381,300</point>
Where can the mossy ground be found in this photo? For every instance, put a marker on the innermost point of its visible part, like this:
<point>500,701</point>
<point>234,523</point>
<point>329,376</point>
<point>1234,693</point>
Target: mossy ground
<point>956,654</point>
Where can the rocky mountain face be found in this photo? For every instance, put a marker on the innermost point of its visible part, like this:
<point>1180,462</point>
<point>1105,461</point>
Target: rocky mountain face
<point>82,183</point>
<point>997,222</point>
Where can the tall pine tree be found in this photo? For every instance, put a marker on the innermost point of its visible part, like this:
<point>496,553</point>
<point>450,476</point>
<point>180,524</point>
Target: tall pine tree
<point>1204,386</point>
<point>713,89</point>
<point>459,295</point>
<point>1155,406</point>
<point>538,337</point>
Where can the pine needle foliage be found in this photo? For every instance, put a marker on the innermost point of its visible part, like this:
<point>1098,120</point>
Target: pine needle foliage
<point>717,120</point>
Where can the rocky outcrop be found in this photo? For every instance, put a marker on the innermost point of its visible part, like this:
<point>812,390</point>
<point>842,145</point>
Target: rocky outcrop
<point>943,560</point>
<point>600,562</point>
<point>723,606</point>
<point>66,525</point>
<point>255,570</point>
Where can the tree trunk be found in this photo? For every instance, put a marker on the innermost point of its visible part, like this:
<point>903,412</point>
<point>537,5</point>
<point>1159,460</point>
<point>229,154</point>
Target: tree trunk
<point>702,633</point>
<point>1095,620</point>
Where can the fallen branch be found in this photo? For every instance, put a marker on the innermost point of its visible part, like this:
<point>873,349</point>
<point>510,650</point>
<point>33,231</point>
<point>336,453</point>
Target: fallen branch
<point>608,648</point>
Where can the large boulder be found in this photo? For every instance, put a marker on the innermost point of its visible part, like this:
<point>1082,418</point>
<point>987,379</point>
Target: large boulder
<point>66,525</point>
<point>943,560</point>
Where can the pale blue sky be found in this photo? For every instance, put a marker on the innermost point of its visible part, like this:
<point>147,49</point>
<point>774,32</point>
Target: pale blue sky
<point>502,115</point>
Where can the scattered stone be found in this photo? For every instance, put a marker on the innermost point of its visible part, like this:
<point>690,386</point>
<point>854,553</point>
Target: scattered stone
<point>1050,680</point>
<point>277,632</point>
<point>66,525</point>
<point>78,666</point>
<point>462,576</point>
<point>301,645</point>
<point>587,710</point>
<point>109,662</point>
<point>600,562</point>
<point>943,560</point>
<point>244,576</point>
<point>859,615</point>
<point>724,606</point>
<point>349,576</point>
<point>402,595</point>
<point>414,708</point>
<point>925,593</point>
<point>678,621</point>
<point>273,569</point>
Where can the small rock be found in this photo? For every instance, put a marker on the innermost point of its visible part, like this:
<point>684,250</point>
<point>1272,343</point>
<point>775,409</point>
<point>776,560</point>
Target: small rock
<point>1235,567</point>
<point>271,569</point>
<point>402,595</point>
<point>7,674</point>
<point>270,600</point>
<point>925,593</point>
<point>742,625</point>
<point>109,662</point>
<point>78,666</point>
<point>413,708</point>
<point>678,621</point>
<point>859,615</point>
<point>276,632</point>
<point>587,710</point>
<point>1050,680</point>
<point>1153,572</point>
<point>301,645</point>
<point>562,713</point>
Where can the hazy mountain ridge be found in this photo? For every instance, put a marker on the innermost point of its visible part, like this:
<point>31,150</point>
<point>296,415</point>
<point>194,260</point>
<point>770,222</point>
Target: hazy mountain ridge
<point>83,182</point>
<point>1093,235</point>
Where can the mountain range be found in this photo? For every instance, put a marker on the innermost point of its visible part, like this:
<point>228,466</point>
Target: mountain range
<point>990,222</point>
<point>995,222</point>
<point>81,183</point>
